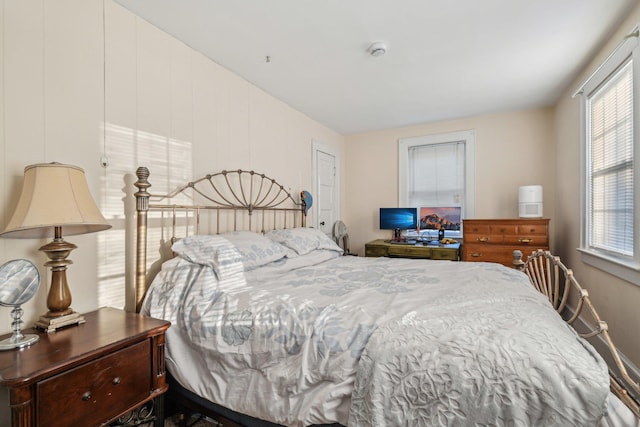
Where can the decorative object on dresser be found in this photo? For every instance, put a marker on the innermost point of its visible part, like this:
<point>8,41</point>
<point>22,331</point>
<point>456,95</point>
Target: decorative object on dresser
<point>95,374</point>
<point>494,240</point>
<point>385,248</point>
<point>530,201</point>
<point>55,197</point>
<point>19,281</point>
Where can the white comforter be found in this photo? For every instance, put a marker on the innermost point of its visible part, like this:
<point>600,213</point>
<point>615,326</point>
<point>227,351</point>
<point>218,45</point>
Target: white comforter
<point>377,342</point>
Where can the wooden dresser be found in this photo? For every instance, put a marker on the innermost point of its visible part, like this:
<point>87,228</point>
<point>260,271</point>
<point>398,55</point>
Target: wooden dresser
<point>494,240</point>
<point>88,375</point>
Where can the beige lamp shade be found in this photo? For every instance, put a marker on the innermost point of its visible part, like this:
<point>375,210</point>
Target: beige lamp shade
<point>54,195</point>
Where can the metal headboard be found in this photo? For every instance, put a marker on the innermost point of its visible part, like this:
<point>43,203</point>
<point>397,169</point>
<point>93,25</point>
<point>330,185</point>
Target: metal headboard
<point>231,197</point>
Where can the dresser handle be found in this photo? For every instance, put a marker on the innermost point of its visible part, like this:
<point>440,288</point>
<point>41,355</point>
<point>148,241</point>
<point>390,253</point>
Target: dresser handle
<point>86,396</point>
<point>525,240</point>
<point>476,254</point>
<point>116,381</point>
<point>482,239</point>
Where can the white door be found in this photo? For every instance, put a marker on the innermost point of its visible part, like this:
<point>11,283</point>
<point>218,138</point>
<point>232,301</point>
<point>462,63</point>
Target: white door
<point>326,185</point>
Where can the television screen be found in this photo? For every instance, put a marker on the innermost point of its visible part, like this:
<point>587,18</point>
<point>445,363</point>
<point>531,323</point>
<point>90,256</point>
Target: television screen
<point>398,218</point>
<point>441,218</point>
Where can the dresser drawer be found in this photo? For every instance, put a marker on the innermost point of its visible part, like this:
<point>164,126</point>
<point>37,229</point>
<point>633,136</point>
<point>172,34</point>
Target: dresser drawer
<point>533,229</point>
<point>502,229</point>
<point>527,240</point>
<point>98,390</point>
<point>409,251</point>
<point>447,255</point>
<point>487,253</point>
<point>487,238</point>
<point>476,229</point>
<point>375,251</point>
<point>502,254</point>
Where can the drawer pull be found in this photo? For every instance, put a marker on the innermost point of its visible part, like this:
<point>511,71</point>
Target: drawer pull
<point>116,381</point>
<point>86,396</point>
<point>476,254</point>
<point>482,239</point>
<point>525,240</point>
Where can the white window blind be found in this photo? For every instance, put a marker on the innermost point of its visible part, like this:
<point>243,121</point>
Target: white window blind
<point>610,196</point>
<point>610,186</point>
<point>436,174</point>
<point>438,171</point>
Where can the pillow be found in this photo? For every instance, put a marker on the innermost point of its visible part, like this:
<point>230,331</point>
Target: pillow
<point>303,240</point>
<point>211,251</point>
<point>256,250</point>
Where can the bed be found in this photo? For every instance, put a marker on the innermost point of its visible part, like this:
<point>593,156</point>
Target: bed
<point>271,325</point>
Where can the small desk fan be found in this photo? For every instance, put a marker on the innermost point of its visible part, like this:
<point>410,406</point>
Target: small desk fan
<point>340,234</point>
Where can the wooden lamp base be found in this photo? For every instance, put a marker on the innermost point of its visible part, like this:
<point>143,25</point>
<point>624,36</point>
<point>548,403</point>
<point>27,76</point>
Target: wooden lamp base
<point>60,313</point>
<point>50,324</point>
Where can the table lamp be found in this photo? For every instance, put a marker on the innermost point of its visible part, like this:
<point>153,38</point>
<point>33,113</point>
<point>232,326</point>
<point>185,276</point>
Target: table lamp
<point>55,198</point>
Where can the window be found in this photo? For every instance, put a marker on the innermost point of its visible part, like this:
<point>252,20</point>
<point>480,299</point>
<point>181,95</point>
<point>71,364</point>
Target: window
<point>438,171</point>
<point>610,114</point>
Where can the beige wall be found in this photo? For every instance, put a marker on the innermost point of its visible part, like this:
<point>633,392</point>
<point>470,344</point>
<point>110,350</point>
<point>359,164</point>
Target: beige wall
<point>512,149</point>
<point>54,103</point>
<point>616,300</point>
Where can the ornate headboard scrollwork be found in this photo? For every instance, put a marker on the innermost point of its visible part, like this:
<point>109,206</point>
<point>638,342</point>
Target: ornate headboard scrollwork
<point>233,199</point>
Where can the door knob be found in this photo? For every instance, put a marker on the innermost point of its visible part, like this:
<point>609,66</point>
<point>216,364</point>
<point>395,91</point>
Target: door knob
<point>322,223</point>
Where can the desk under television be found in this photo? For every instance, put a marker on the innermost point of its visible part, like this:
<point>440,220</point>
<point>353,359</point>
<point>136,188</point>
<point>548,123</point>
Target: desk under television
<point>412,249</point>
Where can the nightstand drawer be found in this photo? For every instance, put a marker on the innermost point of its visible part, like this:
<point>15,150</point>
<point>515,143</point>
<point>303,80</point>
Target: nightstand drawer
<point>95,391</point>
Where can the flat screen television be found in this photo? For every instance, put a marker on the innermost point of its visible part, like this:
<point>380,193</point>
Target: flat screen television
<point>447,219</point>
<point>398,219</point>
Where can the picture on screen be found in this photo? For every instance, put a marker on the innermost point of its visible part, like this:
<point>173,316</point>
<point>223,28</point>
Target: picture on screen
<point>441,218</point>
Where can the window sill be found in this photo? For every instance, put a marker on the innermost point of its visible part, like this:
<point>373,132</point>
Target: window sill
<point>629,271</point>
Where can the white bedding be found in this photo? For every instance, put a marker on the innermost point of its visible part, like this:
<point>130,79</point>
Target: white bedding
<point>376,341</point>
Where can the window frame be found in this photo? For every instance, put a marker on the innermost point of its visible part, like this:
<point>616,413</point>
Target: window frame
<point>624,267</point>
<point>469,138</point>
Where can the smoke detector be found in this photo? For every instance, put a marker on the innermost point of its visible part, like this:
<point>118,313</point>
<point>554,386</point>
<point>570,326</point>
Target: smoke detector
<point>378,49</point>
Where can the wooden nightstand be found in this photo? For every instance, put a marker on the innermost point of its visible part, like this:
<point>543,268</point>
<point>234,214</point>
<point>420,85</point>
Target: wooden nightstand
<point>88,375</point>
<point>380,247</point>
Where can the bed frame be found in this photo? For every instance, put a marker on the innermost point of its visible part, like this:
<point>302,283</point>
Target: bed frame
<point>246,200</point>
<point>230,200</point>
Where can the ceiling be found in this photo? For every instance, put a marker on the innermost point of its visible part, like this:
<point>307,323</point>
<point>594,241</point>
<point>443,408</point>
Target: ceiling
<point>444,59</point>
